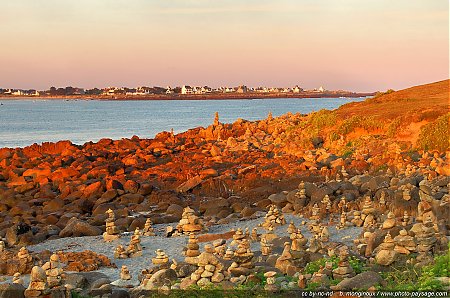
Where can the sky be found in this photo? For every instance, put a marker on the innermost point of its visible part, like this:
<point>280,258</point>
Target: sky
<point>353,45</point>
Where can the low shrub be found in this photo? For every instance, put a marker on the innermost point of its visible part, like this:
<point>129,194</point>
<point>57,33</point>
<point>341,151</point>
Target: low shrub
<point>435,135</point>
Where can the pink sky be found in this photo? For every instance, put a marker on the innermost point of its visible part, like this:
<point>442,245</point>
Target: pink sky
<point>350,44</point>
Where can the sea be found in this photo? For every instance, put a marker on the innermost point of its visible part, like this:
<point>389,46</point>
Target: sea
<point>27,121</point>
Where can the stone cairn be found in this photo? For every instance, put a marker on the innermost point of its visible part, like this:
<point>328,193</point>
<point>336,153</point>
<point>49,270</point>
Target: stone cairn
<point>342,205</point>
<point>266,246</point>
<point>315,227</point>
<point>271,286</point>
<point>161,259</point>
<point>406,194</point>
<point>125,273</point>
<point>406,219</point>
<point>298,247</point>
<point>361,245</point>
<point>25,260</point>
<point>24,255</point>
<point>301,198</point>
<point>291,228</point>
<point>17,278</point>
<point>382,202</point>
<point>189,223</point>
<point>367,213</point>
<point>315,245</point>
<point>320,277</point>
<point>38,286</point>
<point>427,240</point>
<point>404,243</point>
<point>315,212</point>
<point>238,237</point>
<point>254,235</point>
<point>344,173</point>
<point>120,252</point>
<point>342,222</point>
<point>285,260</point>
<point>389,222</point>
<point>148,228</point>
<point>324,234</point>
<point>357,221</point>
<point>385,252</point>
<point>192,250</point>
<point>242,260</point>
<point>216,119</point>
<point>274,217</point>
<point>301,192</point>
<point>210,269</point>
<point>112,232</point>
<point>229,253</point>
<point>220,247</point>
<point>125,279</point>
<point>344,269</point>
<point>2,246</point>
<point>53,270</point>
<point>247,233</point>
<point>326,204</point>
<point>134,249</point>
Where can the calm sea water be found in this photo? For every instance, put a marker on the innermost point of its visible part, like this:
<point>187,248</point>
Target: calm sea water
<point>24,122</point>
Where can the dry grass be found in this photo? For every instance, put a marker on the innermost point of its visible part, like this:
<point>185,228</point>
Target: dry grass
<point>425,101</point>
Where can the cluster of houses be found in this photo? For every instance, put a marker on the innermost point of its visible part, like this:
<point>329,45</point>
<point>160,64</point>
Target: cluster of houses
<point>242,89</point>
<point>19,92</point>
<point>185,89</point>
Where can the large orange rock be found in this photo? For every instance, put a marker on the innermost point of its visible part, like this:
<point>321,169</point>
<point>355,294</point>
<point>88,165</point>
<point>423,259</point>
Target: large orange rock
<point>93,190</point>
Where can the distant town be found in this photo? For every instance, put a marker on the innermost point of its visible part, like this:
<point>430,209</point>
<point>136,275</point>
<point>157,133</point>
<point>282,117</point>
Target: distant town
<point>184,91</point>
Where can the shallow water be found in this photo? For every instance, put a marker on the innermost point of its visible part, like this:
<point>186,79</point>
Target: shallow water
<point>24,122</point>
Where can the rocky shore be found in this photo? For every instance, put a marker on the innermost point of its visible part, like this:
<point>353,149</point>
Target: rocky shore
<point>320,201</point>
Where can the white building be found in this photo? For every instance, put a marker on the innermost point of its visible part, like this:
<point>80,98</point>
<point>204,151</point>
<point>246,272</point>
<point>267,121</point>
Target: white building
<point>169,90</point>
<point>186,90</point>
<point>297,89</point>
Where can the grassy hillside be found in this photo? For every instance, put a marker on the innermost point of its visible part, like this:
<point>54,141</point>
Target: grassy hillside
<point>417,117</point>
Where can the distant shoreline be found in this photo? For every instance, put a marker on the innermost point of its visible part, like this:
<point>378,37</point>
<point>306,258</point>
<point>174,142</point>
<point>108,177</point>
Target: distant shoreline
<point>213,96</point>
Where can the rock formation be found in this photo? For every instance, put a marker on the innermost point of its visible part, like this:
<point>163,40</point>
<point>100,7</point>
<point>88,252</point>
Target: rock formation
<point>148,229</point>
<point>385,252</point>
<point>274,217</point>
<point>161,259</point>
<point>192,250</point>
<point>190,223</point>
<point>210,269</point>
<point>242,260</point>
<point>53,270</point>
<point>344,269</point>
<point>38,286</point>
<point>112,232</point>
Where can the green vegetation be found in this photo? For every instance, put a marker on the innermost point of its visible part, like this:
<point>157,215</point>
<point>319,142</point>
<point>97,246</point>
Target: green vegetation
<point>435,135</point>
<point>319,121</point>
<point>314,266</point>
<point>347,154</point>
<point>410,278</point>
<point>334,136</point>
<point>393,127</point>
<point>389,91</point>
<point>322,119</point>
